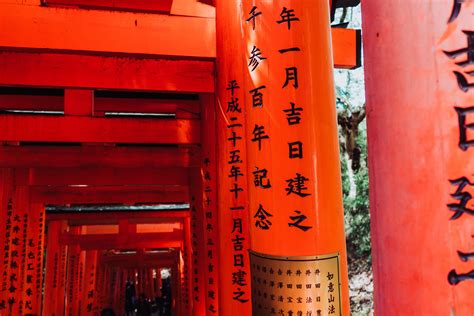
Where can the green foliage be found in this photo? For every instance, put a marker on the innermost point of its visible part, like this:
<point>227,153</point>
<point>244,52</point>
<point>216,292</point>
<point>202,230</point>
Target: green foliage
<point>356,210</point>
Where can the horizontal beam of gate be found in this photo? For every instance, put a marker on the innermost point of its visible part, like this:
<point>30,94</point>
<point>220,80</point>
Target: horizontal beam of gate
<point>97,156</point>
<point>34,26</point>
<point>102,176</point>
<point>138,256</point>
<point>47,128</point>
<point>131,241</point>
<point>128,195</point>
<point>104,72</point>
<point>113,218</point>
<point>25,102</point>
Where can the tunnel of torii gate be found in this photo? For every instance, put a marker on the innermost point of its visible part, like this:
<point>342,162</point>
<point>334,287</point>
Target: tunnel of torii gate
<point>185,148</point>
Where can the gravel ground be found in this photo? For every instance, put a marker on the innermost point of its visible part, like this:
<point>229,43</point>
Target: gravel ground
<point>361,288</point>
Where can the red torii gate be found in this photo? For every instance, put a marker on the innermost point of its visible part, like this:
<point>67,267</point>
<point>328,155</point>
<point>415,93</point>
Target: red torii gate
<point>99,151</point>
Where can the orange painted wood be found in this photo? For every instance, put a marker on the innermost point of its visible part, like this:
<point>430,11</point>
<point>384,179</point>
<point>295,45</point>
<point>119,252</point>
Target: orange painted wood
<point>62,274</point>
<point>44,128</point>
<point>163,6</point>
<point>37,27</point>
<point>6,212</point>
<point>347,48</point>
<point>96,156</point>
<point>110,195</point>
<point>188,259</point>
<point>104,176</point>
<point>79,284</point>
<point>18,236</point>
<point>233,209</point>
<point>103,72</point>
<point>133,39</point>
<point>301,214</point>
<point>33,273</point>
<point>100,283</point>
<point>416,155</point>
<point>208,185</point>
<point>192,8</point>
<point>79,102</point>
<point>53,261</point>
<point>199,269</point>
<point>89,283</point>
<point>73,258</point>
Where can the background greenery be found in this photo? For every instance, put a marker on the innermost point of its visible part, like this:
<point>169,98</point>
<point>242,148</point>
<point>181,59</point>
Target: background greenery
<point>350,93</point>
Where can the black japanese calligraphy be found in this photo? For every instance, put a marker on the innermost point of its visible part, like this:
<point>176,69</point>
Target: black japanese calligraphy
<point>462,196</point>
<point>234,157</point>
<point>297,221</point>
<point>237,225</point>
<point>234,138</point>
<point>232,86</point>
<point>235,172</point>
<point>465,256</point>
<point>233,105</point>
<point>291,75</point>
<point>288,50</point>
<point>293,114</point>
<point>262,220</point>
<point>259,135</point>
<point>257,97</point>
<point>260,178</point>
<point>295,150</point>
<point>239,277</point>
<point>297,186</point>
<point>464,142</point>
<point>454,278</point>
<point>287,16</point>
<point>253,15</point>
<point>236,189</point>
<point>468,50</point>
<point>238,296</point>
<point>463,84</point>
<point>456,10</point>
<point>255,58</point>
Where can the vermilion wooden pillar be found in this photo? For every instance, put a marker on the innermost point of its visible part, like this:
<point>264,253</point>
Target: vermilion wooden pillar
<point>101,285</point>
<point>232,163</point>
<point>32,278</point>
<point>198,245</point>
<point>180,284</point>
<point>80,283</point>
<point>209,202</point>
<point>53,261</point>
<point>73,258</point>
<point>6,220</point>
<point>89,283</point>
<point>420,100</point>
<point>188,264</point>
<point>115,292</point>
<point>18,250</point>
<point>159,281</point>
<point>293,157</point>
<point>62,275</point>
